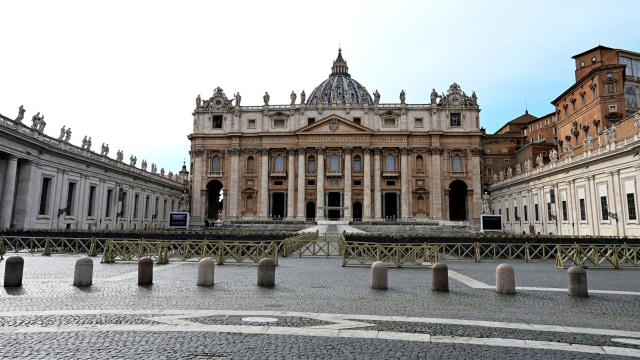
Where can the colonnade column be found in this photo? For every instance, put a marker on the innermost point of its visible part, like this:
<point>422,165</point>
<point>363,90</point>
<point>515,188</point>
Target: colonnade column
<point>320,184</point>
<point>405,173</point>
<point>8,192</point>
<point>264,183</point>
<point>436,183</point>
<point>377,187</point>
<point>347,184</point>
<point>233,182</point>
<point>366,211</point>
<point>476,183</point>
<point>291,178</point>
<point>301,183</point>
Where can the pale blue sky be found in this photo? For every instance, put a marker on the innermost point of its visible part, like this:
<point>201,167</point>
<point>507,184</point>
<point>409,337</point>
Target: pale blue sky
<point>127,72</point>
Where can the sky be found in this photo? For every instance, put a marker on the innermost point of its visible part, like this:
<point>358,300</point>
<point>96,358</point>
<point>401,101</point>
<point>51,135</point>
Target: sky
<point>126,73</point>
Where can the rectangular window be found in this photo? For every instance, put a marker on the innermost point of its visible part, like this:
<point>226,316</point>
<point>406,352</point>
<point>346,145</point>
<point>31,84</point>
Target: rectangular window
<point>71,195</point>
<point>279,123</point>
<point>389,122</point>
<point>45,196</point>
<point>216,122</point>
<point>357,182</point>
<point>526,214</point>
<point>613,108</point>
<point>156,208</point>
<point>456,120</point>
<point>311,182</point>
<point>604,207</point>
<point>418,123</point>
<point>164,208</point>
<point>552,195</point>
<point>146,207</point>
<point>136,203</point>
<point>549,214</point>
<point>583,210</point>
<point>536,212</point>
<point>311,121</point>
<point>357,165</point>
<point>631,207</point>
<point>507,210</point>
<point>564,211</point>
<point>107,210</point>
<point>515,214</point>
<point>594,93</point>
<point>92,197</point>
<point>123,203</point>
<point>251,124</point>
<point>357,120</point>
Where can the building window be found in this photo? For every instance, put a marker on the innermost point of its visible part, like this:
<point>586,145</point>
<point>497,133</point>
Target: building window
<point>311,165</point>
<point>123,202</point>
<point>389,122</point>
<point>507,213</point>
<point>45,196</point>
<point>549,214</point>
<point>536,212</point>
<point>357,120</point>
<point>216,122</point>
<point>594,92</point>
<point>631,206</point>
<point>419,164</point>
<point>279,123</point>
<point>334,163</point>
<point>418,123</point>
<point>581,64</point>
<point>357,164</point>
<point>250,164</point>
<point>136,203</point>
<point>564,211</point>
<point>613,108</point>
<point>593,60</point>
<point>457,163</point>
<point>526,214</point>
<point>583,210</point>
<point>540,137</point>
<point>611,88</point>
<point>71,195</point>
<point>107,210</point>
<point>216,165</point>
<point>390,163</point>
<point>146,207</point>
<point>251,124</point>
<point>489,172</point>
<point>604,207</point>
<point>92,200</point>
<point>455,119</point>
<point>311,121</point>
<point>583,99</point>
<point>279,164</point>
<point>155,208</point>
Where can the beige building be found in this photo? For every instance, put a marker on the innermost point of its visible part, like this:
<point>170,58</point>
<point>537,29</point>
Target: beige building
<point>338,153</point>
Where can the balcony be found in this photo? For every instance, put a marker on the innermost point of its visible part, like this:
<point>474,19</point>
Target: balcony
<point>278,174</point>
<point>390,174</point>
<point>333,173</point>
<point>216,174</point>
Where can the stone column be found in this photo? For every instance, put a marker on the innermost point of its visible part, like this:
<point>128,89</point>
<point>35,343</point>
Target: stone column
<point>476,204</point>
<point>264,183</point>
<point>8,192</point>
<point>198,202</point>
<point>301,183</point>
<point>320,184</point>
<point>347,185</point>
<point>377,187</point>
<point>405,174</point>
<point>436,182</point>
<point>366,206</point>
<point>234,155</point>
<point>291,179</point>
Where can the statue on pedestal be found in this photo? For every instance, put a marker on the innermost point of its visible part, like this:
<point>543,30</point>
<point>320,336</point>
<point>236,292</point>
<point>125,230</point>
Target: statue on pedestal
<point>376,97</point>
<point>62,132</point>
<point>486,203</point>
<point>67,135</point>
<point>266,98</point>
<point>303,97</point>
<point>20,114</point>
<point>293,97</point>
<point>434,97</point>
<point>184,201</point>
<point>402,97</point>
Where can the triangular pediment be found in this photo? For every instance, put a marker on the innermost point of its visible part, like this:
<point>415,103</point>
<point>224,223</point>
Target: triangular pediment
<point>334,124</point>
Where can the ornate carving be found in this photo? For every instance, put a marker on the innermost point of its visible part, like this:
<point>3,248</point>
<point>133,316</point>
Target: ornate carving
<point>347,150</point>
<point>235,152</point>
<point>320,150</point>
<point>476,151</point>
<point>302,150</point>
<point>405,151</point>
<point>377,150</point>
<point>366,150</point>
<point>436,150</point>
<point>198,152</point>
<point>264,151</point>
<point>455,97</point>
<point>334,124</point>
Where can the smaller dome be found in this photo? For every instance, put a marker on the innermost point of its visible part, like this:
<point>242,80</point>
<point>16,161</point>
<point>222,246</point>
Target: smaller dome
<point>339,88</point>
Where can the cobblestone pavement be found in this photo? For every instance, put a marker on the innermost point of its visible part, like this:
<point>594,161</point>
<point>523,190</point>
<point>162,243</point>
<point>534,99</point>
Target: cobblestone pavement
<point>317,310</point>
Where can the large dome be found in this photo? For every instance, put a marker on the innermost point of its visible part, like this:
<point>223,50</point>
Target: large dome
<point>339,88</point>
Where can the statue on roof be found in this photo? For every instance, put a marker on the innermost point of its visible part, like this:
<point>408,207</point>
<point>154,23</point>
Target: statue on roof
<point>434,97</point>
<point>293,97</point>
<point>198,102</point>
<point>238,98</point>
<point>303,97</point>
<point>266,98</point>
<point>402,96</point>
<point>20,114</point>
<point>376,97</point>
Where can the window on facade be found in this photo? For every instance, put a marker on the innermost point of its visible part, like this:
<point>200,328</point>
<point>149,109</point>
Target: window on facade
<point>515,214</point>
<point>583,99</point>
<point>604,207</point>
<point>455,119</point>
<point>107,210</point>
<point>311,165</point>
<point>92,200</point>
<point>357,182</point>
<point>357,120</point>
<point>390,163</point>
<point>123,201</point>
<point>357,164</point>
<point>593,60</point>
<point>155,208</point>
<point>71,194</point>
<point>457,163</point>
<point>613,108</point>
<point>216,165</point>
<point>279,123</point>
<point>419,163</point>
<point>536,212</point>
<point>136,203</point>
<point>216,122</point>
<point>250,164</point>
<point>631,206</point>
<point>334,163</point>
<point>164,207</point>
<point>549,214</point>
<point>564,211</point>
<point>540,137</point>
<point>526,214</point>
<point>581,64</point>
<point>594,92</point>
<point>507,213</point>
<point>418,123</point>
<point>583,210</point>
<point>45,196</point>
<point>389,122</point>
<point>489,172</point>
<point>279,164</point>
<point>146,207</point>
<point>311,121</point>
<point>552,195</point>
<point>251,124</point>
<point>611,88</point>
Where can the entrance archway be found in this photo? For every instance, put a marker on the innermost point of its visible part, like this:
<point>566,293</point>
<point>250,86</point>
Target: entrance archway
<point>214,200</point>
<point>278,205</point>
<point>334,199</point>
<point>458,200</point>
<point>390,205</point>
<point>357,211</point>
<point>310,214</point>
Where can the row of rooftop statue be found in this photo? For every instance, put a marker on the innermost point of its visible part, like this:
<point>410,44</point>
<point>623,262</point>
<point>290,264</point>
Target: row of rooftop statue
<point>336,95</point>
<point>38,125</point>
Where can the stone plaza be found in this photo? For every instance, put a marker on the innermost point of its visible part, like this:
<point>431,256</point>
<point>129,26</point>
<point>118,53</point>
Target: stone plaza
<point>316,310</point>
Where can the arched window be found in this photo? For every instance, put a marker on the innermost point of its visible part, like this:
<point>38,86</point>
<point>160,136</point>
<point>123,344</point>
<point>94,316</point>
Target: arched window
<point>311,165</point>
<point>250,164</point>
<point>357,164</point>
<point>390,163</point>
<point>334,164</point>
<point>420,203</point>
<point>457,163</point>
<point>419,164</point>
<point>279,163</point>
<point>216,165</point>
<point>249,203</point>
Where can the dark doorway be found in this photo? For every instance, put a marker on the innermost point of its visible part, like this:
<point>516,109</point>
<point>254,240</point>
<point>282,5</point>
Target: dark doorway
<point>278,205</point>
<point>311,211</point>
<point>214,200</point>
<point>390,203</point>
<point>458,200</point>
<point>357,211</point>
<point>334,201</point>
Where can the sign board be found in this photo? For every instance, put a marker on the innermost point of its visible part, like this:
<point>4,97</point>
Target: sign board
<point>179,220</point>
<point>490,223</point>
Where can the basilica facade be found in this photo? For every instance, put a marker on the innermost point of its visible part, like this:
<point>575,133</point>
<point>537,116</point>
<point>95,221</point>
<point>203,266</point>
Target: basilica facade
<point>337,153</point>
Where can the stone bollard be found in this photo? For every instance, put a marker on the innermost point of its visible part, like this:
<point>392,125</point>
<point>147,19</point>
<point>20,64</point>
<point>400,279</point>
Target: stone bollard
<point>205,272</point>
<point>266,272</point>
<point>83,273</point>
<point>13,271</point>
<point>505,279</point>
<point>439,277</point>
<point>577,282</point>
<point>145,271</point>
<point>379,276</point>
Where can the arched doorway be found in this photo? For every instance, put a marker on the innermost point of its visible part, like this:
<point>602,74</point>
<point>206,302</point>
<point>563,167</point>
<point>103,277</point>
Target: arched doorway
<point>357,211</point>
<point>458,200</point>
<point>214,200</point>
<point>310,214</point>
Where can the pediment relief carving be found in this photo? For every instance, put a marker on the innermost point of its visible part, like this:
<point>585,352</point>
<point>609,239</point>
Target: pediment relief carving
<point>334,125</point>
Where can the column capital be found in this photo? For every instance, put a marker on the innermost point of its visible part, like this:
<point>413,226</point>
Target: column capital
<point>235,151</point>
<point>366,150</point>
<point>320,150</point>
<point>347,150</point>
<point>264,151</point>
<point>405,151</point>
<point>377,150</point>
<point>302,150</point>
<point>291,151</point>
